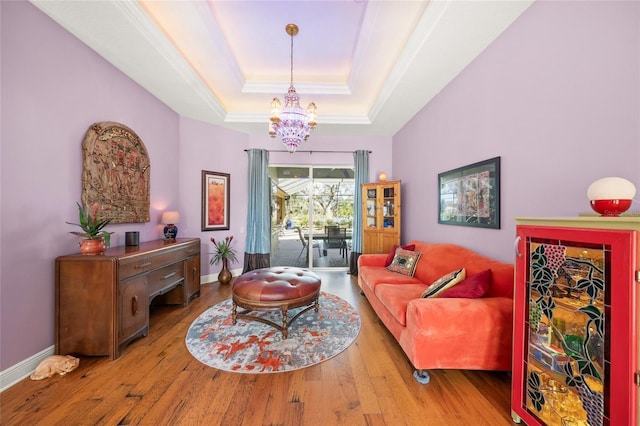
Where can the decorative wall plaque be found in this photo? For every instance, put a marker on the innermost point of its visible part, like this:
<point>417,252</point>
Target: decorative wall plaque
<point>116,172</point>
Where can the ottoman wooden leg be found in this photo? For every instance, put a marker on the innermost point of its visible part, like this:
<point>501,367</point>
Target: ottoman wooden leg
<point>316,305</point>
<point>234,313</point>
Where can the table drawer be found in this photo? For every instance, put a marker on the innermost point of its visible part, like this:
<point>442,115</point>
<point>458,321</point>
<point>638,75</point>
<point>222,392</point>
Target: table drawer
<point>150,261</point>
<point>163,279</point>
<point>134,266</point>
<point>167,257</point>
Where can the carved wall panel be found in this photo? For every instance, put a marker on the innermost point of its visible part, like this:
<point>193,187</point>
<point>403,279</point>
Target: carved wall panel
<point>116,172</point>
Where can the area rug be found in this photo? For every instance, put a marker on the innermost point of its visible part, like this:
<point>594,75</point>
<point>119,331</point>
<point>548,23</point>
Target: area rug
<point>254,347</point>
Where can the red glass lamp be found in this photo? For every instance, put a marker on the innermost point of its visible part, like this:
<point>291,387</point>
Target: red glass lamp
<point>611,196</point>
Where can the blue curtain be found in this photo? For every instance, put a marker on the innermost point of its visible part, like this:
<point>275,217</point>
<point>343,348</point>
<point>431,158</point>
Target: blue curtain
<point>361,175</point>
<point>258,242</point>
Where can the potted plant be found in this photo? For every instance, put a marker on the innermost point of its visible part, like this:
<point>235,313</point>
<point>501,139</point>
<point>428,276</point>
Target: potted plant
<point>95,239</point>
<point>223,252</point>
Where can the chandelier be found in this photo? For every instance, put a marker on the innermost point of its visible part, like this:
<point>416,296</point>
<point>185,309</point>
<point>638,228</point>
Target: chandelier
<point>291,123</point>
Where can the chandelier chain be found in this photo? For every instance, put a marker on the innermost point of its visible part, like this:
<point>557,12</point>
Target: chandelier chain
<point>291,59</point>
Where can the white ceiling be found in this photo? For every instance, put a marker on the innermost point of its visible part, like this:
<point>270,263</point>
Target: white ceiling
<point>369,65</point>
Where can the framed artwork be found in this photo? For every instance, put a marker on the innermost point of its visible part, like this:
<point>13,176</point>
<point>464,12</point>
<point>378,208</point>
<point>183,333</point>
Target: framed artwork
<point>470,195</point>
<point>215,201</point>
<point>116,172</point>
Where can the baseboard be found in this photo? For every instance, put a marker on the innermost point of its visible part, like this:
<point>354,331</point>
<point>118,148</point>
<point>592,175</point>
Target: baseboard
<point>212,278</point>
<point>23,369</point>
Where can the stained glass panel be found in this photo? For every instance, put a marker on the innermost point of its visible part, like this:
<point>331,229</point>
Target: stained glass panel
<point>568,349</point>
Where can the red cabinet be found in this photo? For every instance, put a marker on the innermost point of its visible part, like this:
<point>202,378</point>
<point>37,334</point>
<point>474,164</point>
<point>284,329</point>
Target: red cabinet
<point>575,321</point>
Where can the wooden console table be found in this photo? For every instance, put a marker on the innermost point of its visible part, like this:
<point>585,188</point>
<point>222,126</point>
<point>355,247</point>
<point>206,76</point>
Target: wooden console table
<point>102,301</point>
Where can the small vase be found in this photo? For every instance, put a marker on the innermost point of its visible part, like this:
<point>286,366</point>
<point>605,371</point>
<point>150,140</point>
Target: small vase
<point>224,277</point>
<point>92,246</point>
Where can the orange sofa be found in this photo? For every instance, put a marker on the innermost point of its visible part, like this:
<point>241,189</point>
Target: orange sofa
<point>443,333</point>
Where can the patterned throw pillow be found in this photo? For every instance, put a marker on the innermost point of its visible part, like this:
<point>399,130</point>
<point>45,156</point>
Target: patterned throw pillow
<point>404,262</point>
<point>392,252</point>
<point>471,287</point>
<point>445,282</point>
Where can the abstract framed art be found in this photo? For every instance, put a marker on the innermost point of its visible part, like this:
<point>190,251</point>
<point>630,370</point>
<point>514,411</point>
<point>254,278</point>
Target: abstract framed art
<point>215,201</point>
<point>470,195</point>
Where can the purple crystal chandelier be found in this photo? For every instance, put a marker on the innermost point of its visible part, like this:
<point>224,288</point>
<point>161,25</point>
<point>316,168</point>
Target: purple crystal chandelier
<point>291,123</point>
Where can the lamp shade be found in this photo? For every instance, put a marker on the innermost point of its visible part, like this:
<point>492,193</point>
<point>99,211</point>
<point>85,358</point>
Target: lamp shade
<point>169,218</point>
<point>611,188</point>
<point>611,196</point>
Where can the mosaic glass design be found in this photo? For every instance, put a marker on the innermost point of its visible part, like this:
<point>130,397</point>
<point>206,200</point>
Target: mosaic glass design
<point>568,346</point>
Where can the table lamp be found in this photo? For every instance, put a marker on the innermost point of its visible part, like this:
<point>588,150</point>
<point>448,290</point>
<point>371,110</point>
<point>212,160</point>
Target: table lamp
<point>169,219</point>
<point>611,196</point>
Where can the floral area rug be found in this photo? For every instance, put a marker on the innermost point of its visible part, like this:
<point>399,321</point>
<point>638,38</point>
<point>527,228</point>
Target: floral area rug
<point>254,347</point>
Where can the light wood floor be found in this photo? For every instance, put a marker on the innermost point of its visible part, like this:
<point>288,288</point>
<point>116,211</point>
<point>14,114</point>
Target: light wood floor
<point>157,382</point>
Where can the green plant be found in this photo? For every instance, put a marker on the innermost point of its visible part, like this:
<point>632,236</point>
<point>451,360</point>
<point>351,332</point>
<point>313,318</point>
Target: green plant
<point>223,250</point>
<point>91,224</point>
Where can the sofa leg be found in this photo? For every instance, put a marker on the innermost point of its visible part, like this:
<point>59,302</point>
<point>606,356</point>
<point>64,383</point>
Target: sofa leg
<point>421,376</point>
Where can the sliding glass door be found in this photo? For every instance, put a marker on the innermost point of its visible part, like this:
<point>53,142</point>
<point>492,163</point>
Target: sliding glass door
<point>312,215</point>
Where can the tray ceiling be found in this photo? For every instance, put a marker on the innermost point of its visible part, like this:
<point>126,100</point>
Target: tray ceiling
<point>369,65</point>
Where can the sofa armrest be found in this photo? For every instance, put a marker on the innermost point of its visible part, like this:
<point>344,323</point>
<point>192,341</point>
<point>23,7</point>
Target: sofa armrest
<point>459,333</point>
<point>372,260</point>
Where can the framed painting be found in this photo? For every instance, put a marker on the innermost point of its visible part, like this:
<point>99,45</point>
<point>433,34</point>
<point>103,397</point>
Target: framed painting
<point>470,195</point>
<point>215,201</point>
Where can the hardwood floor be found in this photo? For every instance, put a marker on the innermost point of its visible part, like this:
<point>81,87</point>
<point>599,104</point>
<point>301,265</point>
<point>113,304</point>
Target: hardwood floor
<point>157,382</point>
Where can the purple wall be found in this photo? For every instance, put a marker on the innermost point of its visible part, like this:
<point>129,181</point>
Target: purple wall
<point>557,96</point>
<point>207,147</point>
<point>53,89</point>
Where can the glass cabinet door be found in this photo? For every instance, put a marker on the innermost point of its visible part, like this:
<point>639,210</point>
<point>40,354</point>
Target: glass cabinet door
<point>372,210</point>
<point>573,327</point>
<point>388,208</point>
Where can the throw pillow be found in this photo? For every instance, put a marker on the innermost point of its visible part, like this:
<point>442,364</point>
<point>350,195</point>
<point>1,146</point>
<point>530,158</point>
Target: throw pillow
<point>444,282</point>
<point>392,253</point>
<point>404,262</point>
<point>471,288</point>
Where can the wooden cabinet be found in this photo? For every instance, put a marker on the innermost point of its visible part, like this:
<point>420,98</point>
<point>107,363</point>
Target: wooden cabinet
<point>381,215</point>
<point>575,351</point>
<point>102,301</point>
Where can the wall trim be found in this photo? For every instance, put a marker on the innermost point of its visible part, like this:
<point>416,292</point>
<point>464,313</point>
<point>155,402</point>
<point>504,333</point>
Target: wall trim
<point>23,369</point>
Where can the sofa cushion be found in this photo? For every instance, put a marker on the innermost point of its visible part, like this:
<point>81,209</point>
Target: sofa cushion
<point>395,298</point>
<point>404,262</point>
<point>392,252</point>
<point>444,282</point>
<point>471,287</point>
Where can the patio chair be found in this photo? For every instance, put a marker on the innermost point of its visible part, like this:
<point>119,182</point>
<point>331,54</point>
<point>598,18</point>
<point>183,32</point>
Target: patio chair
<point>305,244</point>
<point>337,238</point>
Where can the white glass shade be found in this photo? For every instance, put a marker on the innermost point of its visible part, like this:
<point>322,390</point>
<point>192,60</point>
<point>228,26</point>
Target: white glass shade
<point>169,218</point>
<point>611,188</point>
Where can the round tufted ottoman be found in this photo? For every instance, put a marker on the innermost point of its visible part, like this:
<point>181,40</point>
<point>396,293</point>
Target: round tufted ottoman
<point>280,287</point>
